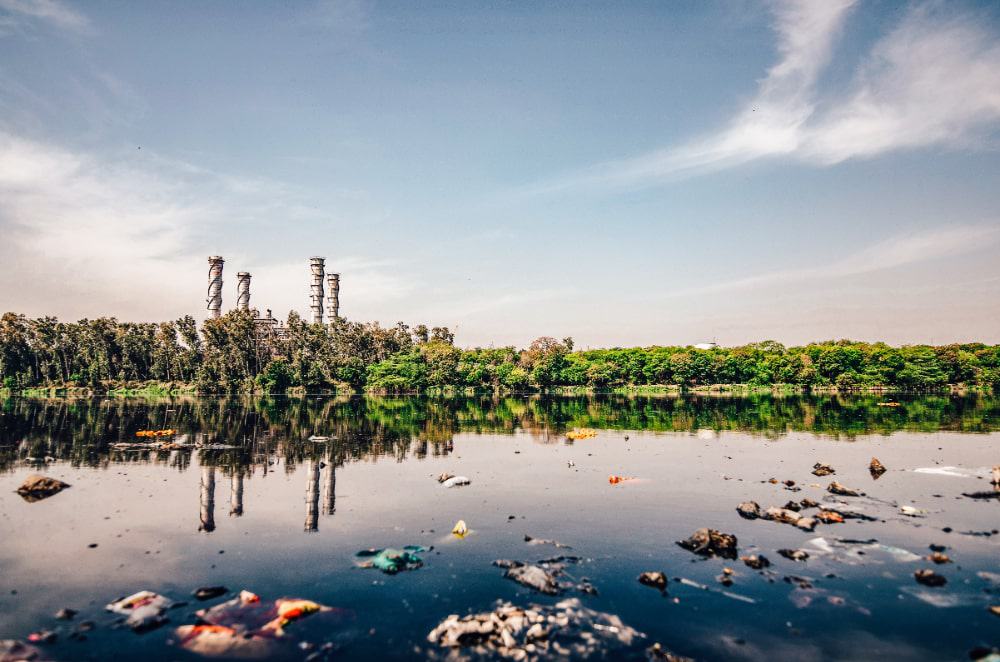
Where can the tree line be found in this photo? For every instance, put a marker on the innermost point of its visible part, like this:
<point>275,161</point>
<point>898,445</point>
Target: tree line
<point>235,354</point>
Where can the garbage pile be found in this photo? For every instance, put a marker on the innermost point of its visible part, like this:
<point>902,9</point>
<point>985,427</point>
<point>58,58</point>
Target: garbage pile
<point>566,630</point>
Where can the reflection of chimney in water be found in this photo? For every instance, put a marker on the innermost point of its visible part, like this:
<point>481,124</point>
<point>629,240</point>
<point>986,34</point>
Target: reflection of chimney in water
<point>312,497</point>
<point>236,495</point>
<point>207,499</point>
<point>329,490</point>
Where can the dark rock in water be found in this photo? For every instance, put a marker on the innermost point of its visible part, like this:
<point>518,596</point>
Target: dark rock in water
<point>756,561</point>
<point>837,488</point>
<point>937,548</point>
<point>66,614</point>
<point>709,542</point>
<point>789,517</point>
<point>657,653</point>
<point>982,653</point>
<point>749,510</point>
<point>928,577</point>
<point>822,469</point>
<point>876,469</point>
<point>793,506</point>
<point>982,495</point>
<point>12,650</point>
<point>808,503</point>
<point>209,592</point>
<point>830,517</point>
<point>536,577</point>
<point>655,579</point>
<point>794,554</point>
<point>35,487</point>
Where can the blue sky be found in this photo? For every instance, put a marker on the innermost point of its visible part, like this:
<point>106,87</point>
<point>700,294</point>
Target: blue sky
<point>625,173</point>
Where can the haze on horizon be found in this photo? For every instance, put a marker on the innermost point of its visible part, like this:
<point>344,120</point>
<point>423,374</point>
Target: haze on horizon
<point>636,174</point>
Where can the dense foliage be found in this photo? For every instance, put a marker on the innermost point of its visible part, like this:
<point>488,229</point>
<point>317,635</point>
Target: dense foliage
<point>231,354</point>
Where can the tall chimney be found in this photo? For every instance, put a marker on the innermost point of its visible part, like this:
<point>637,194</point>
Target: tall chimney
<point>333,296</point>
<point>316,289</point>
<point>214,300</point>
<point>243,290</point>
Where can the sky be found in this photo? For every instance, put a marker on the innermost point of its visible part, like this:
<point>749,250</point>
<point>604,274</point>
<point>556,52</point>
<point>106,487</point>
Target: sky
<point>626,174</point>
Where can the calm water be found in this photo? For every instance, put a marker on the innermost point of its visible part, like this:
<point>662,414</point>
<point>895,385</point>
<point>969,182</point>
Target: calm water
<point>257,506</point>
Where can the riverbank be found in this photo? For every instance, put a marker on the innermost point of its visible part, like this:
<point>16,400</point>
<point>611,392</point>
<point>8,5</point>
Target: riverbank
<point>157,389</point>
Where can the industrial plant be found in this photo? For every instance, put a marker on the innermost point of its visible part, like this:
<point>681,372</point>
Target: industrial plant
<point>324,289</point>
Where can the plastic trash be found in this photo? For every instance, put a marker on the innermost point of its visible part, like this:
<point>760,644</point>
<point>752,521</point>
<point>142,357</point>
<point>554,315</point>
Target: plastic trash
<point>455,481</point>
<point>876,468</point>
<point>460,530</point>
<point>542,541</point>
<point>391,561</point>
<point>144,610</point>
<point>566,630</point>
<point>581,433</point>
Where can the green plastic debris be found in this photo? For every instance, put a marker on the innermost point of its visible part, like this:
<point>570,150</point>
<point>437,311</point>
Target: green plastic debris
<point>391,561</point>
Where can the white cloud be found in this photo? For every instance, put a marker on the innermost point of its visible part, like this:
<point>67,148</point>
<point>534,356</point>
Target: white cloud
<point>53,12</point>
<point>85,235</point>
<point>933,80</point>
<point>914,248</point>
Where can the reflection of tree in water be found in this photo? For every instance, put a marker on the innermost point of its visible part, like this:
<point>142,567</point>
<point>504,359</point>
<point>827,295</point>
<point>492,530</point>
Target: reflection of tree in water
<point>242,435</point>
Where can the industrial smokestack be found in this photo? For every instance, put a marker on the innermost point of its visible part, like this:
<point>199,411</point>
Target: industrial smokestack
<point>243,290</point>
<point>214,300</point>
<point>316,289</point>
<point>333,296</point>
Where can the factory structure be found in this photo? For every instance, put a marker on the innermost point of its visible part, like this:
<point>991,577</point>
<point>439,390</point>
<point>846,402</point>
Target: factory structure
<point>324,295</point>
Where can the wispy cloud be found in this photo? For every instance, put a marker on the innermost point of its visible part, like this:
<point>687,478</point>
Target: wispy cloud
<point>933,80</point>
<point>88,235</point>
<point>52,12</point>
<point>914,248</point>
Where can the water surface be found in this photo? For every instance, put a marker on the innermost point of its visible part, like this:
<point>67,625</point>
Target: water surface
<point>253,504</point>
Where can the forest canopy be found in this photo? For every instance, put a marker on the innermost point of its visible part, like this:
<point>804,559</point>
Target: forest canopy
<point>233,354</point>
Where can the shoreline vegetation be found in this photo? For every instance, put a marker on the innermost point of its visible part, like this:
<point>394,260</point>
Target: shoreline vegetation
<point>43,357</point>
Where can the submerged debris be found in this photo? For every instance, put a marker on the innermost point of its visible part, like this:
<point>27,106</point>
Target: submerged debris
<point>794,554</point>
<point>756,561</point>
<point>749,510</point>
<point>209,592</point>
<point>455,481</point>
<point>982,495</point>
<point>655,579</point>
<point>830,517</point>
<point>614,480</point>
<point>928,577</point>
<point>244,627</point>
<point>709,542</point>
<point>542,541</point>
<point>657,653</point>
<point>12,650</point>
<point>876,469</point>
<point>533,576</point>
<point>565,630</point>
<point>939,558</point>
<point>35,487</point>
<point>145,610</point>
<point>822,469</point>
<point>789,517</point>
<point>391,561</point>
<point>66,614</point>
<point>837,488</point>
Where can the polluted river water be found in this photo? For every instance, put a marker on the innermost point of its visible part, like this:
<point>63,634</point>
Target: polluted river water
<point>276,497</point>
